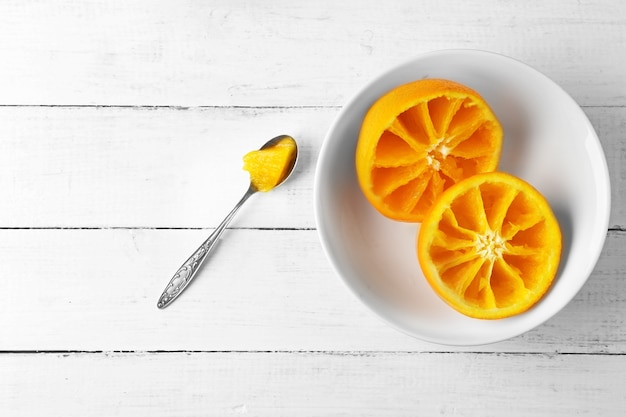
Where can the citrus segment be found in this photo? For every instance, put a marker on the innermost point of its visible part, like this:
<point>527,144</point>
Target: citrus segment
<point>490,246</point>
<point>267,167</point>
<point>418,140</point>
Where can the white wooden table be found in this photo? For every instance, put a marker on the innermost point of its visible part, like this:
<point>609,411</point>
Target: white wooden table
<point>122,127</point>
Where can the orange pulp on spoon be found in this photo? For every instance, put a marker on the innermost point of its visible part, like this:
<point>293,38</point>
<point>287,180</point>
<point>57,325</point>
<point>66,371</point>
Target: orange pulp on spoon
<point>268,167</point>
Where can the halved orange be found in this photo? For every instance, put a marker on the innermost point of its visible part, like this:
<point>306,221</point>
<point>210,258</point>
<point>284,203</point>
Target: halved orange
<point>419,139</point>
<point>490,246</point>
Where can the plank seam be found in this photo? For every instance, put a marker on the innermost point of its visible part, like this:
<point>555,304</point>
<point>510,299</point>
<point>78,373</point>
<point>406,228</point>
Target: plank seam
<point>177,107</point>
<point>153,228</point>
<point>234,107</point>
<point>615,228</point>
<point>300,352</point>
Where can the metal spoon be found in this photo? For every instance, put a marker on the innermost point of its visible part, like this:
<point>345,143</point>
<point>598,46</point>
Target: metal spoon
<point>188,270</point>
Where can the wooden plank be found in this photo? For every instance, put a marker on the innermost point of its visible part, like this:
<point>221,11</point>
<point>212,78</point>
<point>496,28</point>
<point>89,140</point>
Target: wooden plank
<point>146,167</point>
<point>311,384</point>
<point>264,290</point>
<point>286,53</point>
<point>170,167</point>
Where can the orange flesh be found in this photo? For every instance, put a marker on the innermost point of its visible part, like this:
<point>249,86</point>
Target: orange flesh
<point>268,167</point>
<point>490,246</point>
<point>421,138</point>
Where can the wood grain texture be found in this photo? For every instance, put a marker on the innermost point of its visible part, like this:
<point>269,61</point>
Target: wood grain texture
<point>147,167</point>
<point>122,127</point>
<point>264,290</point>
<point>312,384</point>
<point>172,167</point>
<point>285,53</point>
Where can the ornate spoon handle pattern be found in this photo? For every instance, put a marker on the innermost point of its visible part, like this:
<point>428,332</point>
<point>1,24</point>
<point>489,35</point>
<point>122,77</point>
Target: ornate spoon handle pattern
<point>188,270</point>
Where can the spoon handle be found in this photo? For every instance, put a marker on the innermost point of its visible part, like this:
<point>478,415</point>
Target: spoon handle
<point>188,270</point>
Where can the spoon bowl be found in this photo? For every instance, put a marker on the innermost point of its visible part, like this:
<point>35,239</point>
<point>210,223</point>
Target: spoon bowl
<point>185,274</point>
<point>291,164</point>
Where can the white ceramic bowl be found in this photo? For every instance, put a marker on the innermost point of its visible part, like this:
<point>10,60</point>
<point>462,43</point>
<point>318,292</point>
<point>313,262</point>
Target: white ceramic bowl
<point>548,141</point>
